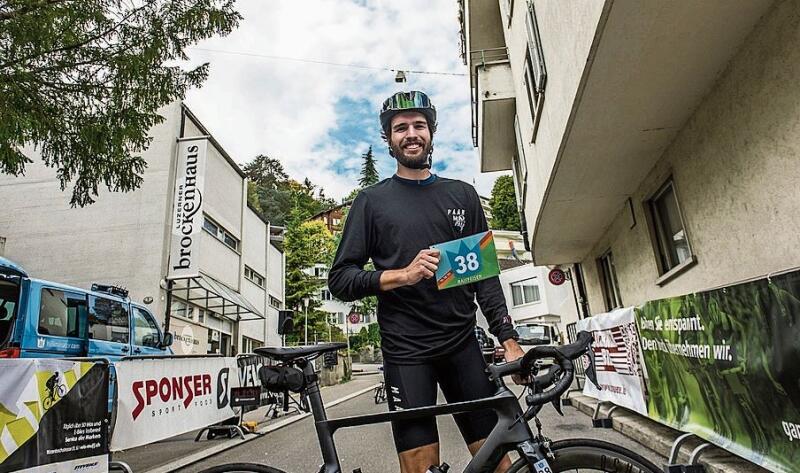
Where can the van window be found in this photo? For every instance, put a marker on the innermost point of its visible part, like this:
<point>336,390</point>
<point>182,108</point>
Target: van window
<point>9,294</point>
<point>60,314</point>
<point>108,320</point>
<point>145,331</point>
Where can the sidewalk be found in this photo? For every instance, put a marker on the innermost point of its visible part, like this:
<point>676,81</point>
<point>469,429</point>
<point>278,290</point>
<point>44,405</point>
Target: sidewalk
<point>176,452</point>
<point>660,438</point>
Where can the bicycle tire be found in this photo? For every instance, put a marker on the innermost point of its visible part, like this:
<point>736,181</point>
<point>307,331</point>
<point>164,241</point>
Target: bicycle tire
<point>242,468</point>
<point>587,455</point>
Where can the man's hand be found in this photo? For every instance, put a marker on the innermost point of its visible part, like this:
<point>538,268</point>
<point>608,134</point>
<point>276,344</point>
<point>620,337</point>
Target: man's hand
<point>512,353</point>
<point>422,267</point>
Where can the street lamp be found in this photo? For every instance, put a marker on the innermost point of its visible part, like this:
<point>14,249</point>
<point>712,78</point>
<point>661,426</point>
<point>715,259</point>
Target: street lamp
<point>305,307</point>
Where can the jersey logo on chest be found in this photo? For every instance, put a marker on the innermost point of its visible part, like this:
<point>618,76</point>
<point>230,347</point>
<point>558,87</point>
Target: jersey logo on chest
<point>459,218</point>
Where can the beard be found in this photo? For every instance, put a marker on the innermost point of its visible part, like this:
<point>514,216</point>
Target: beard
<point>419,161</point>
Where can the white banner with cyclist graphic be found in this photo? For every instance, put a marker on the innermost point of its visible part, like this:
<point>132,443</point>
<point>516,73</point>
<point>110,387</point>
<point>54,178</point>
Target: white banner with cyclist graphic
<point>617,358</point>
<point>159,398</point>
<point>53,416</point>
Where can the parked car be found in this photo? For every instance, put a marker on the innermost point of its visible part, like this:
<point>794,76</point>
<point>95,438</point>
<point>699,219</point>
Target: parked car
<point>538,334</point>
<point>44,319</point>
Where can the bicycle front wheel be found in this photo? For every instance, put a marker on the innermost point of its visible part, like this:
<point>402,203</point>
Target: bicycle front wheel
<point>586,455</point>
<point>242,468</point>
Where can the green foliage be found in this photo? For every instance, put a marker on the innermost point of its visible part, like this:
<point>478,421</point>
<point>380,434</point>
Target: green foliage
<point>369,175</point>
<point>369,335</point>
<point>306,244</point>
<point>82,82</point>
<point>505,215</point>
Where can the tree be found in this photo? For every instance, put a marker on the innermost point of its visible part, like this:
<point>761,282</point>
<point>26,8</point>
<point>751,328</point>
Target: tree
<point>369,175</point>
<point>505,215</point>
<point>306,244</point>
<point>82,82</point>
<point>272,194</point>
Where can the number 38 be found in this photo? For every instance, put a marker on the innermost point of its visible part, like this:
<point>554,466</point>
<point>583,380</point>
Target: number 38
<point>468,263</point>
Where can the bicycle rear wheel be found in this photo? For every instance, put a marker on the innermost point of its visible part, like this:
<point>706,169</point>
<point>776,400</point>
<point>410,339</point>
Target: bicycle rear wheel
<point>586,455</point>
<point>242,468</point>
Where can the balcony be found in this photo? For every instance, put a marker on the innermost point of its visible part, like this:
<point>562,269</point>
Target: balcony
<point>493,107</point>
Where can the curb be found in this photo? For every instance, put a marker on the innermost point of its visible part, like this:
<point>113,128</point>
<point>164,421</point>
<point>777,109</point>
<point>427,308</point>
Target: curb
<point>659,438</point>
<point>227,445</point>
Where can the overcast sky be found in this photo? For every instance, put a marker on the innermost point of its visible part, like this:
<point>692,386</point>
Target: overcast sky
<point>319,119</point>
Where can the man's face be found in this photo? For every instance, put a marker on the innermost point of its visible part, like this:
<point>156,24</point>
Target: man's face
<point>410,139</point>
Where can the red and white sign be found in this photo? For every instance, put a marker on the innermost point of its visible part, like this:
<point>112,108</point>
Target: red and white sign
<point>617,359</point>
<point>556,277</point>
<point>161,398</point>
<point>354,317</point>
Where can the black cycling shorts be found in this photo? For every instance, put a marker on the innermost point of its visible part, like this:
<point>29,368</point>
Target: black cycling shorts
<point>461,377</point>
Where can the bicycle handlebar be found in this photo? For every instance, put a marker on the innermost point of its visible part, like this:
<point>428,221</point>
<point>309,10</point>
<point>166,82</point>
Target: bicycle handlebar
<point>563,356</point>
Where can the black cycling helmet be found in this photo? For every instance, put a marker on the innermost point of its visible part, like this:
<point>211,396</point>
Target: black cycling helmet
<point>413,101</point>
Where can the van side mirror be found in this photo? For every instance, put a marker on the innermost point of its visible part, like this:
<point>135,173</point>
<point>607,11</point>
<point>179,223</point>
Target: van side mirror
<point>285,321</point>
<point>167,341</point>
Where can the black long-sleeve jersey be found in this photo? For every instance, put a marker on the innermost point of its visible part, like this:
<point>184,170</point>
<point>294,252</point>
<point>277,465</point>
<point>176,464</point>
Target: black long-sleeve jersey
<point>391,222</point>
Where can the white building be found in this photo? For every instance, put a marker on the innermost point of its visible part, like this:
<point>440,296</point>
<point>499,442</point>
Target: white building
<point>339,311</point>
<point>654,144</point>
<point>228,301</point>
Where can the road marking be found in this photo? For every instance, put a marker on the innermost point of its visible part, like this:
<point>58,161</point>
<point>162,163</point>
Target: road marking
<point>219,448</point>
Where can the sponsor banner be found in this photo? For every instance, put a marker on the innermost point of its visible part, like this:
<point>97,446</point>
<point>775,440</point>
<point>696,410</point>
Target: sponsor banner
<point>189,338</point>
<point>53,415</point>
<point>187,209</point>
<point>466,260</point>
<point>617,360</point>
<point>724,365</point>
<point>164,397</point>
<point>249,364</point>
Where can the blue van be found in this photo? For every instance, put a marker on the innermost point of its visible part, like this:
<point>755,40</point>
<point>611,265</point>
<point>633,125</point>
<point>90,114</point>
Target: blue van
<point>41,319</point>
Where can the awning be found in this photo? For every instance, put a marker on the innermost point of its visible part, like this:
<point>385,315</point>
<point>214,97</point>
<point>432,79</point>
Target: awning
<point>210,294</point>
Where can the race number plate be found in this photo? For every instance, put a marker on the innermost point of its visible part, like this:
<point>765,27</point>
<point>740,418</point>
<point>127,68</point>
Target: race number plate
<point>542,467</point>
<point>466,260</point>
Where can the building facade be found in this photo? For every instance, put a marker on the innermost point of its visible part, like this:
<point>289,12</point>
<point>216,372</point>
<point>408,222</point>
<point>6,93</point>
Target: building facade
<point>228,305</point>
<point>655,168</point>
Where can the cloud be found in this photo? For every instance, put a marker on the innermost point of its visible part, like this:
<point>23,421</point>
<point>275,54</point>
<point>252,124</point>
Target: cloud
<point>318,119</point>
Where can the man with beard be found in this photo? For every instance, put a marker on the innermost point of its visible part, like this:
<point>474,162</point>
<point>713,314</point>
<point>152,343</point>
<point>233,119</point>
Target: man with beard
<point>427,335</point>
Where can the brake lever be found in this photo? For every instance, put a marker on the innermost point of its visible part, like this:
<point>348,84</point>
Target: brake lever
<point>591,371</point>
<point>557,406</point>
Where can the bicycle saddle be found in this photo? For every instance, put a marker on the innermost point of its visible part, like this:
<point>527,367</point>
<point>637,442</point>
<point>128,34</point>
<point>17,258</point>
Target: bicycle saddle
<point>292,353</point>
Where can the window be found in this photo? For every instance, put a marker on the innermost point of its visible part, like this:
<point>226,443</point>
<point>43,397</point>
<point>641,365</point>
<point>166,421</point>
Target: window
<point>525,292</point>
<point>509,4</point>
<point>145,331</point>
<point>320,272</point>
<point>337,221</point>
<point>108,320</point>
<point>253,276</point>
<point>365,318</point>
<point>667,229</point>
<point>325,295</point>
<point>60,314</point>
<point>275,302</point>
<point>250,344</point>
<point>181,309</point>
<point>535,72</point>
<point>608,280</point>
<point>520,166</point>
<point>220,233</point>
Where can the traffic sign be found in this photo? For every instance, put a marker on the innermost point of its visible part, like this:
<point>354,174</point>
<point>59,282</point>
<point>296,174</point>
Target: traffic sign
<point>557,277</point>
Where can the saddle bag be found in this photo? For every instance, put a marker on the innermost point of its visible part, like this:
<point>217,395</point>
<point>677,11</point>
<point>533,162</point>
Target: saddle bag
<point>282,378</point>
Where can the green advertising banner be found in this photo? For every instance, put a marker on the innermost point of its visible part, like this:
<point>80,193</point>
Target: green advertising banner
<point>725,365</point>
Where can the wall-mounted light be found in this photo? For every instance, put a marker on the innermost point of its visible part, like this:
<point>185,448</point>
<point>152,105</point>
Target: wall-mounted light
<point>400,77</point>
<point>148,300</point>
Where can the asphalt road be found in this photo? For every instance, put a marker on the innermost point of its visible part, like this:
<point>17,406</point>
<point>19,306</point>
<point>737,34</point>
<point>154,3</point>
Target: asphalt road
<point>295,449</point>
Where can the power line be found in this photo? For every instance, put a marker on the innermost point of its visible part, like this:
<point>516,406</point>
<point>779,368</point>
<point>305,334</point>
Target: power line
<point>327,63</point>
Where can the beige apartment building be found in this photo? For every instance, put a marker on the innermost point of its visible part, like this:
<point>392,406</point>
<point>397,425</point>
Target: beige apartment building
<point>186,243</point>
<point>655,144</point>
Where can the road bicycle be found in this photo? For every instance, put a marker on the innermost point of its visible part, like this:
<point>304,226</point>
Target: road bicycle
<point>537,453</point>
<point>379,394</point>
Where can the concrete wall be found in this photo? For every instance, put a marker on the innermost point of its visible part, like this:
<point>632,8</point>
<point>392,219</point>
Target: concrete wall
<point>567,30</point>
<point>254,254</point>
<point>276,283</point>
<point>53,241</point>
<point>736,166</point>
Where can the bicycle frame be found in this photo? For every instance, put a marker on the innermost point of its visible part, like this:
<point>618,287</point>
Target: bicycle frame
<point>512,432</point>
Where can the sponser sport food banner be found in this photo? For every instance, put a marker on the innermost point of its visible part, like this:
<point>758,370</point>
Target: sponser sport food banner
<point>163,397</point>
<point>616,357</point>
<point>53,416</point>
<point>725,365</point>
